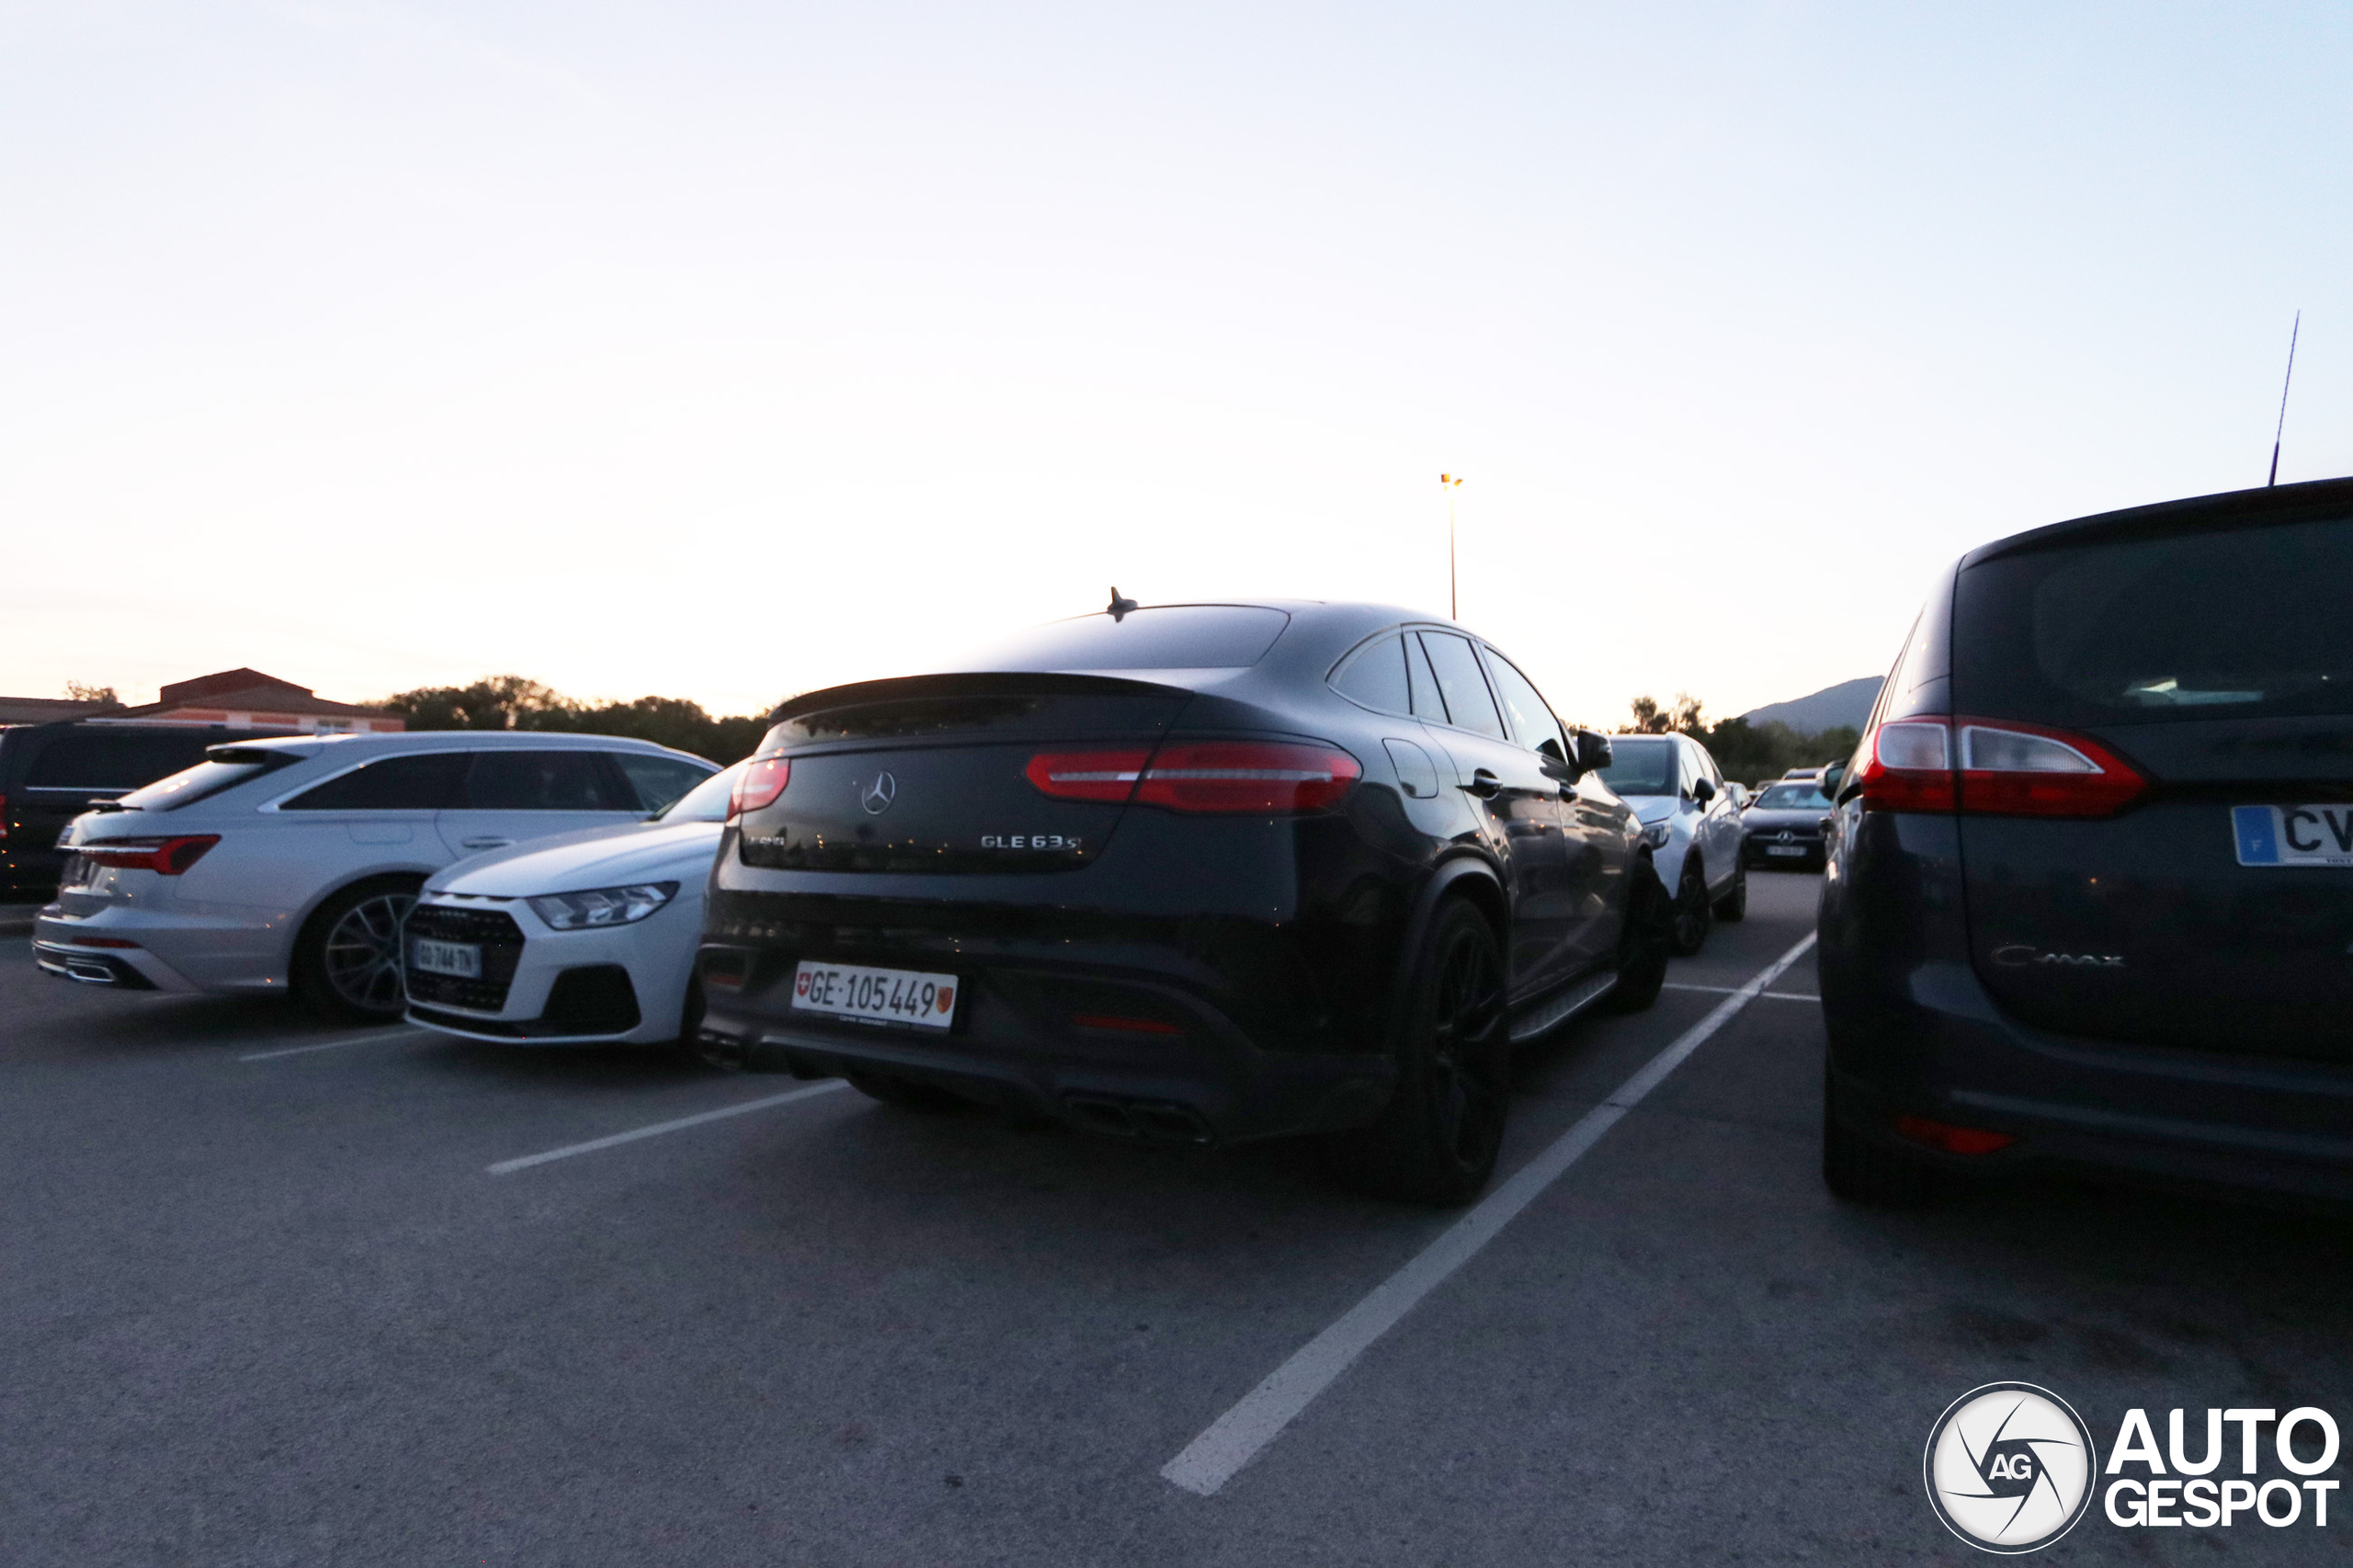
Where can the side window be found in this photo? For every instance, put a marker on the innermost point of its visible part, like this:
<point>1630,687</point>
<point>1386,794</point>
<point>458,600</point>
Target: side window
<point>1424,684</point>
<point>658,781</point>
<point>538,781</point>
<point>1376,678</point>
<point>1689,773</point>
<point>1708,769</point>
<point>95,759</point>
<point>414,783</point>
<point>1533,724</point>
<point>1468,704</point>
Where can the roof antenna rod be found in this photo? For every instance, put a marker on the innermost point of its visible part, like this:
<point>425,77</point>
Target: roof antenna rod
<point>1118,608</point>
<point>2282,428</point>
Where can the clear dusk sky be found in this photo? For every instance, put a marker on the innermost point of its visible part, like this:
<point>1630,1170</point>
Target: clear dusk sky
<point>728,350</point>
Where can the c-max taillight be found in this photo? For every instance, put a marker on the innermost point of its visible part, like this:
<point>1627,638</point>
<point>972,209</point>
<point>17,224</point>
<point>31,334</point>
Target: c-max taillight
<point>1992,767</point>
<point>2020,771</point>
<point>761,782</point>
<point>1252,777</point>
<point>1907,766</point>
<point>168,856</point>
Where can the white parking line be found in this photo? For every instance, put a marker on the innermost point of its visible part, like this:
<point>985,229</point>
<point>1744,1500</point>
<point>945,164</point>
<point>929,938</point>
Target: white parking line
<point>1237,1437</point>
<point>659,1128</point>
<point>377,1038</point>
<point>1734,989</point>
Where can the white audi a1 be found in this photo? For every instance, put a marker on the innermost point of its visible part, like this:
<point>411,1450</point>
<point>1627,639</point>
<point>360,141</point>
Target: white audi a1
<point>585,939</point>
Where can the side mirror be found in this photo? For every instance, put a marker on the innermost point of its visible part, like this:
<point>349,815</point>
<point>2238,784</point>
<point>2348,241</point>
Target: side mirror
<point>1702,791</point>
<point>1593,752</point>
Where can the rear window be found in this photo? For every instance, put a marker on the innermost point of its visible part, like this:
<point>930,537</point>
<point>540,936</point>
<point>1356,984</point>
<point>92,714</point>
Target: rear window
<point>1168,637</point>
<point>223,767</point>
<point>2248,623</point>
<point>1794,797</point>
<point>1641,766</point>
<point>93,759</point>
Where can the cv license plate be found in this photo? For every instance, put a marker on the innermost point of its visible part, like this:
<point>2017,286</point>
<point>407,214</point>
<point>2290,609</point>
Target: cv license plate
<point>875,996</point>
<point>1785,849</point>
<point>461,959</point>
<point>2293,835</point>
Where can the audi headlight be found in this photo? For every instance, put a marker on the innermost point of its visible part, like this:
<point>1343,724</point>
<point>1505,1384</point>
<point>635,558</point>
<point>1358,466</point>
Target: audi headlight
<point>1655,836</point>
<point>601,906</point>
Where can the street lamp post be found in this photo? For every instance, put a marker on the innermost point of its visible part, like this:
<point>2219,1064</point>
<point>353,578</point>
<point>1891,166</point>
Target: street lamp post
<point>1451,483</point>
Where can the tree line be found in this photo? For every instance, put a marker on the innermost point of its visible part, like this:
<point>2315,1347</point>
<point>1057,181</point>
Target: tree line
<point>514,702</point>
<point>1746,752</point>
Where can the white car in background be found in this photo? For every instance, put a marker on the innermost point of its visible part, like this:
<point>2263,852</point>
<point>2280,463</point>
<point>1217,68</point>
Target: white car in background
<point>589,939</point>
<point>1691,824</point>
<point>288,864</point>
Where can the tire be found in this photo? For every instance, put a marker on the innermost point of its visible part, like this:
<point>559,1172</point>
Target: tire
<point>347,959</point>
<point>1693,917</point>
<point>1863,1172</point>
<point>1734,902</point>
<point>903,1093</point>
<point>1436,1141</point>
<point>1644,944</point>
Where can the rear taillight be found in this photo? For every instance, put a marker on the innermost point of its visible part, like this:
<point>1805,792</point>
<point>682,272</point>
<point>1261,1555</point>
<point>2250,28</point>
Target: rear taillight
<point>1255,778</point>
<point>763,781</point>
<point>1907,766</point>
<point>1086,775</point>
<point>169,856</point>
<point>2001,769</point>
<point>4,817</point>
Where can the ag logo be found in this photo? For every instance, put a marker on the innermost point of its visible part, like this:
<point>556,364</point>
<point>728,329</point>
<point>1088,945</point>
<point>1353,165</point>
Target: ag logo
<point>2009,1468</point>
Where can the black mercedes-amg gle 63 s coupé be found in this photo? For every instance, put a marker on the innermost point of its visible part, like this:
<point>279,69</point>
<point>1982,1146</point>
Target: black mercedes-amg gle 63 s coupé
<point>1204,872</point>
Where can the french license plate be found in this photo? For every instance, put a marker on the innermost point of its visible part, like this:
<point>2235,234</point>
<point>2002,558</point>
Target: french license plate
<point>875,996</point>
<point>1785,849</point>
<point>2293,835</point>
<point>462,959</point>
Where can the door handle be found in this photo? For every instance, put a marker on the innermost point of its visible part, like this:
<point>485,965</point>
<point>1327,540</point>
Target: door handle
<point>1484,784</point>
<point>484,843</point>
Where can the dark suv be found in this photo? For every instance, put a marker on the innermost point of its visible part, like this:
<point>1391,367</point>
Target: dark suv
<point>2090,895</point>
<point>50,774</point>
<point>1195,872</point>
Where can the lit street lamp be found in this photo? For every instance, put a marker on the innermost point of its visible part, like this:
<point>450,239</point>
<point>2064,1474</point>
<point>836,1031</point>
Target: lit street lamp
<point>1451,483</point>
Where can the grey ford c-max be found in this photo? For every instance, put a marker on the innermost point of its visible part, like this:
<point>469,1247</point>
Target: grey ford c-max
<point>2089,900</point>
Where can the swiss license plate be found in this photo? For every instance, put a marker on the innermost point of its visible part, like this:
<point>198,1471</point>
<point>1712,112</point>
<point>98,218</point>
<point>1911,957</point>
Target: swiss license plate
<point>1785,849</point>
<point>462,959</point>
<point>2293,835</point>
<point>875,996</point>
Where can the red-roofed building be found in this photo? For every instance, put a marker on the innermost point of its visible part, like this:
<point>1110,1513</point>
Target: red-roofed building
<point>248,700</point>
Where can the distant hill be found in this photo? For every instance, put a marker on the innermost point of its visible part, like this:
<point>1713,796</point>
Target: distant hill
<point>1848,703</point>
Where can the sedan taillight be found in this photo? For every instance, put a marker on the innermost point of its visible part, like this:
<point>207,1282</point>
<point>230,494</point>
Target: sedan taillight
<point>1993,767</point>
<point>1253,777</point>
<point>169,856</point>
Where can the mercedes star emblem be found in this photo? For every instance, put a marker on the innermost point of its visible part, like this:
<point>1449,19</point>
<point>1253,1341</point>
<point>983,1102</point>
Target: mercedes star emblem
<point>876,797</point>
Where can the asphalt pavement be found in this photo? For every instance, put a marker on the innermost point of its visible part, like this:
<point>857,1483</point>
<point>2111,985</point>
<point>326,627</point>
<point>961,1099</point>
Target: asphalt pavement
<point>278,1293</point>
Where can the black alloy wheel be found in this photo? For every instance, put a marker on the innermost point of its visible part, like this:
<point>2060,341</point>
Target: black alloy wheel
<point>349,958</point>
<point>1733,902</point>
<point>1693,918</point>
<point>1437,1140</point>
<point>1643,942</point>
